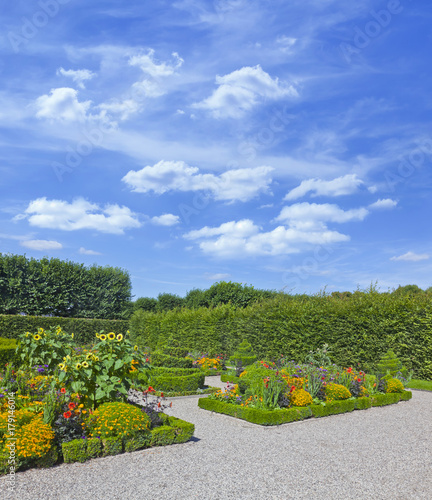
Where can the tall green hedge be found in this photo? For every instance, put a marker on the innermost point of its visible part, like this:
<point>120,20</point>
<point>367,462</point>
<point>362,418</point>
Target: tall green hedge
<point>359,329</point>
<point>83,329</point>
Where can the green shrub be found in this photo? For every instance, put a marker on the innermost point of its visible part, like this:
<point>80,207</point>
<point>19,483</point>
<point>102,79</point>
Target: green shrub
<point>385,399</point>
<point>94,447</point>
<point>406,396</point>
<point>363,403</point>
<point>336,392</point>
<point>160,359</point>
<point>244,355</point>
<point>389,363</point>
<point>11,326</point>
<point>255,415</point>
<point>394,385</point>
<point>332,408</point>
<point>7,351</point>
<point>162,436</point>
<point>138,441</point>
<point>183,430</point>
<point>226,377</point>
<point>74,451</point>
<point>112,446</point>
<point>172,383</point>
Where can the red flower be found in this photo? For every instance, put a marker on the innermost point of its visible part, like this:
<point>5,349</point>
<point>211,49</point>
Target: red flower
<point>72,406</point>
<point>292,388</point>
<point>171,404</point>
<point>349,370</point>
<point>62,390</point>
<point>159,405</point>
<point>162,395</point>
<point>147,360</point>
<point>67,414</point>
<point>359,380</point>
<point>150,389</point>
<point>322,378</point>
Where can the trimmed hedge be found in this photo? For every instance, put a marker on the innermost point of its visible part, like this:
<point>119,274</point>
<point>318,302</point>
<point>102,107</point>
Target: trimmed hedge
<point>84,329</point>
<point>282,416</point>
<point>230,378</point>
<point>165,360</point>
<point>173,380</point>
<point>174,431</point>
<point>359,330</point>
<point>7,351</point>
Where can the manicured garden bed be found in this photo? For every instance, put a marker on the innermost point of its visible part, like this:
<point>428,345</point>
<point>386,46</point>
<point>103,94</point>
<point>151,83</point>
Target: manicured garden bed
<point>283,416</point>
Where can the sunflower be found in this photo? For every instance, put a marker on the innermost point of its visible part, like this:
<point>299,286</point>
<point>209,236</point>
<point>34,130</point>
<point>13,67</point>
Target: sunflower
<point>89,356</point>
<point>37,337</point>
<point>95,358</point>
<point>119,337</point>
<point>103,337</point>
<point>61,366</point>
<point>111,336</point>
<point>78,366</point>
<point>136,348</point>
<point>97,335</point>
<point>85,364</point>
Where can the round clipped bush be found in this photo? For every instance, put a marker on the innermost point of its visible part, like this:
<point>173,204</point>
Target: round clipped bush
<point>300,397</point>
<point>118,420</point>
<point>336,392</point>
<point>394,385</point>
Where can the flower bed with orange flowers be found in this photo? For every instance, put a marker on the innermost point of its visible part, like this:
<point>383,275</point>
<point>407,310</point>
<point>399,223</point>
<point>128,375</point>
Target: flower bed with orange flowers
<point>271,394</point>
<point>87,404</point>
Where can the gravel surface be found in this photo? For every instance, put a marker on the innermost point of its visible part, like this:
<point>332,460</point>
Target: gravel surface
<point>380,453</point>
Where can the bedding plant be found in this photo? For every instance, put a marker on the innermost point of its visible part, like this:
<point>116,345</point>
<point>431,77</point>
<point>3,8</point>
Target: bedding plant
<point>73,402</point>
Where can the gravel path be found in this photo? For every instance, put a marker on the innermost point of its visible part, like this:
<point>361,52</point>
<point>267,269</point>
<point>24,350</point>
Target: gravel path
<point>380,454</point>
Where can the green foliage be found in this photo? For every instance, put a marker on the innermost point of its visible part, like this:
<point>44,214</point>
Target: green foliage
<point>244,355</point>
<point>363,403</point>
<point>84,330</point>
<point>74,451</point>
<point>104,373</point>
<point>394,385</point>
<point>138,441</point>
<point>255,415</point>
<point>118,419</point>
<point>406,396</point>
<point>423,385</point>
<point>62,288</point>
<point>320,357</point>
<point>168,302</point>
<point>358,329</point>
<point>146,304</point>
<point>390,364</point>
<point>171,380</point>
<point>385,399</point>
<point>94,447</point>
<point>333,408</point>
<point>7,351</point>
<point>112,446</point>
<point>46,347</point>
<point>167,361</point>
<point>336,392</point>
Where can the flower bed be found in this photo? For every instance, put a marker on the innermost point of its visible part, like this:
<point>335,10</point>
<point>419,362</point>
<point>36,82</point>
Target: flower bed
<point>283,416</point>
<point>67,403</point>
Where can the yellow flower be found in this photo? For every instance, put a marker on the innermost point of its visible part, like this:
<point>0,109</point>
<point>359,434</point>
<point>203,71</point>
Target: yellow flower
<point>111,336</point>
<point>103,337</point>
<point>72,335</point>
<point>78,366</point>
<point>85,364</point>
<point>136,348</point>
<point>89,355</point>
<point>61,366</point>
<point>97,335</point>
<point>95,358</point>
<point>119,337</point>
<point>37,337</point>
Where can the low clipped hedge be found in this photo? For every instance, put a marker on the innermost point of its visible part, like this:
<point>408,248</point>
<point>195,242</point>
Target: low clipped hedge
<point>230,378</point>
<point>176,380</point>
<point>282,416</point>
<point>173,431</point>
<point>160,359</point>
<point>84,329</point>
<point>7,351</point>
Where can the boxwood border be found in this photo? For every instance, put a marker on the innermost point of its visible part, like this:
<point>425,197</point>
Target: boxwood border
<point>281,416</point>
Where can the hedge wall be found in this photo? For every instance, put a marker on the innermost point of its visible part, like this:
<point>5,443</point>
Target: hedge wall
<point>359,329</point>
<point>84,329</point>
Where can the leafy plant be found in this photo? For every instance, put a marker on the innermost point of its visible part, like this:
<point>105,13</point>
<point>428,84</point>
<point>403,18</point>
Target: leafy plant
<point>319,357</point>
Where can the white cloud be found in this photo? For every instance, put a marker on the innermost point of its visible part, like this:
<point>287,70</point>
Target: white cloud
<point>166,220</point>
<point>217,276</point>
<point>84,251</point>
<point>80,214</point>
<point>149,66</point>
<point>62,104</point>
<point>243,238</point>
<point>42,245</point>
<point>383,204</point>
<point>412,257</point>
<point>243,89</point>
<point>286,43</point>
<point>79,76</point>
<point>165,176</point>
<point>344,185</point>
<point>308,216</point>
<point>123,109</point>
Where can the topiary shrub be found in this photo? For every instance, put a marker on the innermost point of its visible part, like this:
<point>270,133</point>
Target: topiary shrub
<point>390,364</point>
<point>394,385</point>
<point>300,397</point>
<point>75,451</point>
<point>243,356</point>
<point>336,392</point>
<point>158,358</point>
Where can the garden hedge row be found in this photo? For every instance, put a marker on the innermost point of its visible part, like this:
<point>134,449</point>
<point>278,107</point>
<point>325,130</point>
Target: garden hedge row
<point>359,329</point>
<point>84,329</point>
<point>281,416</point>
<point>173,431</point>
<point>173,380</point>
<point>7,351</point>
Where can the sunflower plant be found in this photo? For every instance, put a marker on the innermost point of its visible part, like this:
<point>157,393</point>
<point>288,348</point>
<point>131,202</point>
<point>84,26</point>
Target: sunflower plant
<point>103,373</point>
<point>45,348</point>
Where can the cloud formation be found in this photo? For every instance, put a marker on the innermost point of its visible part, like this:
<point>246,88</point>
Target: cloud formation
<point>80,214</point>
<point>84,251</point>
<point>383,204</point>
<point>79,76</point>
<point>232,185</point>
<point>166,220</point>
<point>412,257</point>
<point>344,185</point>
<point>62,104</point>
<point>42,245</point>
<point>241,90</point>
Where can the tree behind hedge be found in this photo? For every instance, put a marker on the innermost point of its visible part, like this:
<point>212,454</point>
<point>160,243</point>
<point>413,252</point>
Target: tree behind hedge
<point>54,287</point>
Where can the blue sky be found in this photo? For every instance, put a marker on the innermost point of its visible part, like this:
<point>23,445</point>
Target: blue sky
<point>287,145</point>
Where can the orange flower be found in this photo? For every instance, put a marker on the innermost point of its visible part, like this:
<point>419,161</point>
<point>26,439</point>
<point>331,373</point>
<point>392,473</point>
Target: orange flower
<point>67,414</point>
<point>72,406</point>
<point>62,390</point>
<point>150,389</point>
